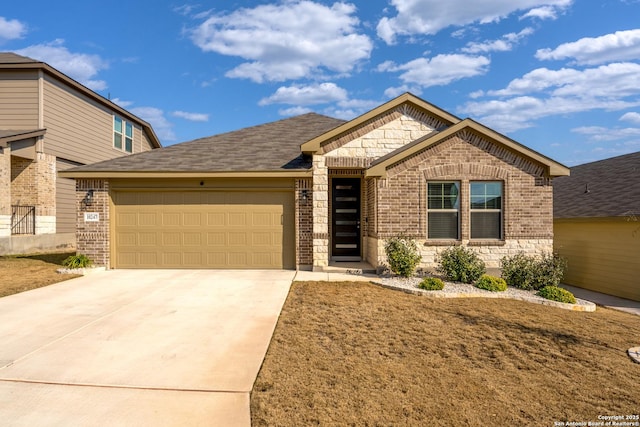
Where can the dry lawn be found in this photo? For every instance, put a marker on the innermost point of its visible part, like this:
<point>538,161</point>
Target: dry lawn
<point>358,354</point>
<point>23,273</point>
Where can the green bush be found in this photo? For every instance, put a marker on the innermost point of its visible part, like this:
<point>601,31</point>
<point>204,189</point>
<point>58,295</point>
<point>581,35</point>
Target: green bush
<point>533,272</point>
<point>402,255</point>
<point>431,284</point>
<point>460,264</point>
<point>77,261</point>
<point>555,293</point>
<point>491,283</point>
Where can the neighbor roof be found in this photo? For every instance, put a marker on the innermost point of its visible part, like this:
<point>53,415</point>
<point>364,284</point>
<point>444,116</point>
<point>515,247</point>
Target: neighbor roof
<point>12,61</point>
<point>606,188</point>
<point>270,147</point>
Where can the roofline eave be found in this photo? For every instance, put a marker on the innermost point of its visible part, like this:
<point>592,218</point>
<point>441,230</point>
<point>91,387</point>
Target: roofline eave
<point>306,173</point>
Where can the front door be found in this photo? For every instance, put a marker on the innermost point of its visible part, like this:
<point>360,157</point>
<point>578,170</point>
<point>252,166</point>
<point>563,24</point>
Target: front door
<point>345,219</point>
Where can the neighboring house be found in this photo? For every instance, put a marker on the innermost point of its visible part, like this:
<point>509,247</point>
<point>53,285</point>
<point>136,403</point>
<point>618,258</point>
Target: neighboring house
<point>597,225</point>
<point>49,123</point>
<point>310,190</point>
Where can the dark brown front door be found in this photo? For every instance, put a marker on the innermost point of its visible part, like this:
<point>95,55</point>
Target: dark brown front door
<point>345,219</point>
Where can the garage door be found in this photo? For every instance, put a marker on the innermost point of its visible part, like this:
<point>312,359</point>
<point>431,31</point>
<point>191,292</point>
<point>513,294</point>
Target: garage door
<point>203,229</point>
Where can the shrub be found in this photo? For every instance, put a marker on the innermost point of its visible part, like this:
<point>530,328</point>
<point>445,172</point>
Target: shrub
<point>402,255</point>
<point>460,264</point>
<point>491,283</point>
<point>431,284</point>
<point>77,261</point>
<point>533,272</point>
<point>555,293</point>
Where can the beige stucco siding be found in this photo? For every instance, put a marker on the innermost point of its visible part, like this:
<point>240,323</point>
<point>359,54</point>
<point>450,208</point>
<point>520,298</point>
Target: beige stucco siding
<point>18,100</point>
<point>602,254</point>
<point>78,128</point>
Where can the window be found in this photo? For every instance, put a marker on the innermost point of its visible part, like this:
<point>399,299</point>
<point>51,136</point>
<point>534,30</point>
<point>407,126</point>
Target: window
<point>443,206</point>
<point>486,210</point>
<point>122,135</point>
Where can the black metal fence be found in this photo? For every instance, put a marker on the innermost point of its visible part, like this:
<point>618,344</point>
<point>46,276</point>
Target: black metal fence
<point>23,219</point>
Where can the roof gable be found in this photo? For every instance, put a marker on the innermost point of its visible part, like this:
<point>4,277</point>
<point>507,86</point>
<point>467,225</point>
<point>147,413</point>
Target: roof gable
<point>440,118</point>
<point>602,189</point>
<point>379,167</point>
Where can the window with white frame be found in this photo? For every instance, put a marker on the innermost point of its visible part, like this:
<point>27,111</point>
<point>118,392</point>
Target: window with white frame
<point>486,209</point>
<point>443,210</point>
<point>122,134</point>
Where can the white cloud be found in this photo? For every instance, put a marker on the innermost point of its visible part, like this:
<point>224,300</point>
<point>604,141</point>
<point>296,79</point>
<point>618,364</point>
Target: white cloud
<point>430,16</point>
<point>306,95</point>
<point>122,103</point>
<point>632,117</point>
<point>291,40</point>
<point>544,92</point>
<point>544,12</point>
<point>607,81</point>
<point>294,111</point>
<point>193,117</point>
<point>598,133</point>
<point>11,29</point>
<point>503,44</point>
<point>325,93</point>
<point>439,70</point>
<point>619,46</point>
<point>79,66</point>
<point>156,118</point>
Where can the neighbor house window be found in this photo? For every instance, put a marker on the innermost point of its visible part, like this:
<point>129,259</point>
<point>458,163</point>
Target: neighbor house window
<point>122,135</point>
<point>486,210</point>
<point>443,210</point>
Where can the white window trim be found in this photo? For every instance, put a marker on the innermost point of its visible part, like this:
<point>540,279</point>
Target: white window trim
<point>458,211</point>
<point>123,134</point>
<point>500,211</point>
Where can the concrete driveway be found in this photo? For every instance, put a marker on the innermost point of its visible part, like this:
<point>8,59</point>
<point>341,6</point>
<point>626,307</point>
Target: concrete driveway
<point>138,347</point>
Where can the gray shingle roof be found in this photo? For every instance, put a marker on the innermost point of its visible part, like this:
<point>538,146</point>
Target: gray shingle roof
<point>13,58</point>
<point>268,147</point>
<point>607,188</point>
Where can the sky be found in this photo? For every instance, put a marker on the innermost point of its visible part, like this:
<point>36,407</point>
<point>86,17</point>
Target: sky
<point>559,76</point>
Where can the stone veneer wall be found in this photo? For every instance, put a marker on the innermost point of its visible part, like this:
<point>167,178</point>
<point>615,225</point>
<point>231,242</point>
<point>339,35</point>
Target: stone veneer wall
<point>304,224</point>
<point>527,201</point>
<point>320,213</point>
<point>357,149</point>
<point>5,192</point>
<point>93,238</point>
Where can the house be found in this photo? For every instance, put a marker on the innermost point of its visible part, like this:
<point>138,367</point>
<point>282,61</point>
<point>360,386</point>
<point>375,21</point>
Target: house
<point>49,123</point>
<point>311,190</point>
<point>597,225</point>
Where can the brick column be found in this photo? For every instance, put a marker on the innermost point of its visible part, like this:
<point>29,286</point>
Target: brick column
<point>5,192</point>
<point>320,213</point>
<point>92,233</point>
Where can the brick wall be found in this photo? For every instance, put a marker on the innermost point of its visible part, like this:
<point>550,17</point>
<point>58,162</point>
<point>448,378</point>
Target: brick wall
<point>33,183</point>
<point>527,201</point>
<point>304,224</point>
<point>93,237</point>
<point>5,192</point>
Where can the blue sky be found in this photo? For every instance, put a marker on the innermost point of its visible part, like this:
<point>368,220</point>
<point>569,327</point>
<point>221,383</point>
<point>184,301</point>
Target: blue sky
<point>560,76</point>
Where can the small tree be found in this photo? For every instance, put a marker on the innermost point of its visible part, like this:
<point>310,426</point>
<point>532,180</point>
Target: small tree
<point>402,255</point>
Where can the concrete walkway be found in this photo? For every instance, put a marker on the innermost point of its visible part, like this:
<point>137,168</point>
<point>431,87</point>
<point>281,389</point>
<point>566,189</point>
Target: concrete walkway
<point>605,300</point>
<point>125,347</point>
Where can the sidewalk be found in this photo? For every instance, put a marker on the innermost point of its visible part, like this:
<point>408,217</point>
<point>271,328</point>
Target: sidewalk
<point>604,300</point>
